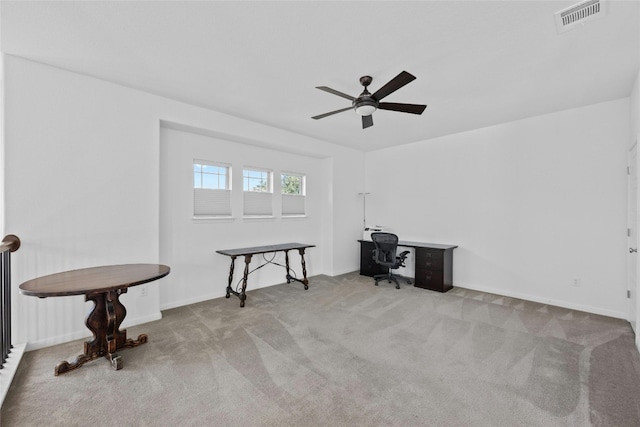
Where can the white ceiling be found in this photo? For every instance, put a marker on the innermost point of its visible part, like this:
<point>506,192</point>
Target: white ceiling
<point>477,63</point>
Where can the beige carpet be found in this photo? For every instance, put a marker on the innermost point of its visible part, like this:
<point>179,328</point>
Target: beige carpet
<point>347,353</point>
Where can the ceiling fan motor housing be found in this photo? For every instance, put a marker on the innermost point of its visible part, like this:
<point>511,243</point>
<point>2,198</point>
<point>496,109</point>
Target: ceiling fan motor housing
<point>365,104</point>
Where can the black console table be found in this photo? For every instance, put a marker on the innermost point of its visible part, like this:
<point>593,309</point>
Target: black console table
<point>433,264</point>
<point>247,253</point>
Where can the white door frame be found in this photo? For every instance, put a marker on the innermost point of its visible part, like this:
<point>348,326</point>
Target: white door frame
<point>633,284</point>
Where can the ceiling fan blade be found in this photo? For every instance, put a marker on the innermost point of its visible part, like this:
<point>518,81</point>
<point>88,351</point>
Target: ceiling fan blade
<point>403,108</point>
<point>367,121</point>
<point>335,92</point>
<point>396,83</point>
<point>331,113</point>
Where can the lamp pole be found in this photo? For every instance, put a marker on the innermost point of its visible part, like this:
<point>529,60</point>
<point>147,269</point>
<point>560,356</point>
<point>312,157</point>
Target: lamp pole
<point>364,209</point>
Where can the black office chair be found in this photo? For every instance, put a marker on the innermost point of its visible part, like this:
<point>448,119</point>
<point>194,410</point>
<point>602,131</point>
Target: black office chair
<point>386,245</point>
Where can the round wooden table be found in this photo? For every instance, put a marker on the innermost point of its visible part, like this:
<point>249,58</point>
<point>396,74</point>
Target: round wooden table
<point>102,285</point>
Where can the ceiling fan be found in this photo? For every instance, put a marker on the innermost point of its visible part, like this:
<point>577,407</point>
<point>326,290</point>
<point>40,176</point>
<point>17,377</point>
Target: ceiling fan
<point>367,103</point>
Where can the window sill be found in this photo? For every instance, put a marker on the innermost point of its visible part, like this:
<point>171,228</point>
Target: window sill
<point>258,218</point>
<point>205,219</point>
<point>295,216</point>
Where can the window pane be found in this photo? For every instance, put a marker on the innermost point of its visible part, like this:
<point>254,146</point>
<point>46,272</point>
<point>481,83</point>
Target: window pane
<point>209,181</point>
<point>257,184</point>
<point>256,180</point>
<point>210,176</point>
<point>291,184</point>
<point>210,169</point>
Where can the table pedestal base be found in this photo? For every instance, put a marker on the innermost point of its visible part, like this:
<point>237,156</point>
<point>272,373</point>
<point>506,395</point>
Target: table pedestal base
<point>104,322</point>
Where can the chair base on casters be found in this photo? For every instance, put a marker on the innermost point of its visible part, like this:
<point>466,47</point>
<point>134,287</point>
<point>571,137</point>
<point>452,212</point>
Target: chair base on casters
<point>391,278</point>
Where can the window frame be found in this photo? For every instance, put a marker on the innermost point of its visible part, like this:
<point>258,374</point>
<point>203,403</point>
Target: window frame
<point>257,203</point>
<point>303,183</point>
<point>215,202</point>
<point>269,179</point>
<point>227,174</point>
<point>293,205</point>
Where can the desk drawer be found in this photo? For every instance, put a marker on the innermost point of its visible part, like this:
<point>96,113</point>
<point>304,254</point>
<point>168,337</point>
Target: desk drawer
<point>430,259</point>
<point>429,279</point>
<point>433,280</point>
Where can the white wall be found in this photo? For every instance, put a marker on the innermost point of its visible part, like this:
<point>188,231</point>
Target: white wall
<point>2,182</point>
<point>81,174</point>
<point>197,272</point>
<point>82,187</point>
<point>532,204</point>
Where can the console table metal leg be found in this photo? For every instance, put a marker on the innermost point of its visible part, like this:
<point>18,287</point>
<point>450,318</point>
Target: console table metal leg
<point>243,295</point>
<point>286,262</point>
<point>229,289</point>
<point>304,269</point>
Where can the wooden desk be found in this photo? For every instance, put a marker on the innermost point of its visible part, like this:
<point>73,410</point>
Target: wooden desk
<point>433,264</point>
<point>256,250</point>
<point>103,286</point>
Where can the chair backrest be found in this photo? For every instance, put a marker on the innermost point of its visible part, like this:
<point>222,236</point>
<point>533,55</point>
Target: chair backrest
<point>386,245</point>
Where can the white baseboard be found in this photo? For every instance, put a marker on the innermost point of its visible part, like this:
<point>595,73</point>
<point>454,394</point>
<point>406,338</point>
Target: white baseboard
<point>8,372</point>
<point>343,271</point>
<point>58,339</point>
<point>86,334</point>
<point>533,298</point>
<point>189,301</point>
<point>141,320</point>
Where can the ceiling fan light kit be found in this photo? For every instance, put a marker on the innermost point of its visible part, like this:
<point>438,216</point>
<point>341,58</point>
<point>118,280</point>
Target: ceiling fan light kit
<point>366,104</point>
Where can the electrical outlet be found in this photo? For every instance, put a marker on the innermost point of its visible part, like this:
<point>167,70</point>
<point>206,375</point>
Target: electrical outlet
<point>143,291</point>
<point>576,282</point>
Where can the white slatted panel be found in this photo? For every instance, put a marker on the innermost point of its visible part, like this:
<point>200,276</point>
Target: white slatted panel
<point>256,203</point>
<point>211,202</point>
<point>292,204</point>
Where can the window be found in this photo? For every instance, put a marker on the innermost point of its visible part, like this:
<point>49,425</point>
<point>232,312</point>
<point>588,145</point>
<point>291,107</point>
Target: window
<point>293,194</point>
<point>256,180</point>
<point>292,184</point>
<point>257,188</point>
<point>211,189</point>
<point>209,175</point>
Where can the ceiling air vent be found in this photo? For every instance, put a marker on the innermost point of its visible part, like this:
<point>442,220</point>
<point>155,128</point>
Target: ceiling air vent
<point>575,16</point>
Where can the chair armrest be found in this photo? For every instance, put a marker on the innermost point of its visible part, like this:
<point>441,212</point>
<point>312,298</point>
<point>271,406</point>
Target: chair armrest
<point>401,258</point>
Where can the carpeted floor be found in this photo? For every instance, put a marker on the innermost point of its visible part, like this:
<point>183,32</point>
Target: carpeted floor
<point>347,353</point>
